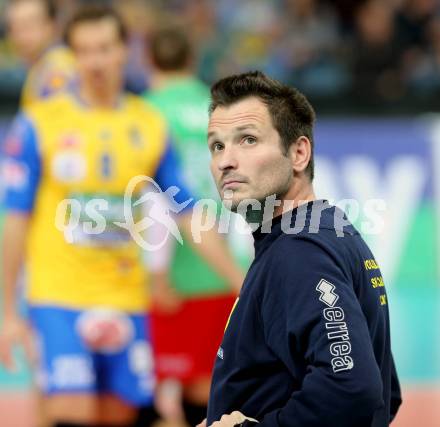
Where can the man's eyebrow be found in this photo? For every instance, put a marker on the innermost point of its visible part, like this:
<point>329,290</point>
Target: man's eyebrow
<point>248,126</point>
<point>237,129</point>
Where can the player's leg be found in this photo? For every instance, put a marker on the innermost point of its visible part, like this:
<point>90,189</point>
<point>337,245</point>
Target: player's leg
<point>206,338</point>
<point>65,373</point>
<point>96,367</point>
<point>66,408</point>
<point>172,363</point>
<point>185,348</point>
<point>89,410</point>
<point>168,401</point>
<point>114,411</point>
<point>129,376</point>
<point>195,399</point>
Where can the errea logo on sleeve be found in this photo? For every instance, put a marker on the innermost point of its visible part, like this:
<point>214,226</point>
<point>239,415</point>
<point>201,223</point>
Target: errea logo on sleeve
<point>337,329</point>
<point>327,295</point>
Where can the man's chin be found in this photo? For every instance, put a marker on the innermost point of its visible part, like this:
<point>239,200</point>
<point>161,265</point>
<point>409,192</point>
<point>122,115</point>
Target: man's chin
<point>236,203</point>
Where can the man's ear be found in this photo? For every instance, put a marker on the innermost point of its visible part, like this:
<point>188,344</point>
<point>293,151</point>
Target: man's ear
<point>300,154</point>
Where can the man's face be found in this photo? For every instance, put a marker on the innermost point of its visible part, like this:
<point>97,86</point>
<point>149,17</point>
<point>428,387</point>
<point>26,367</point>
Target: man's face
<point>100,53</point>
<point>30,29</point>
<point>246,154</point>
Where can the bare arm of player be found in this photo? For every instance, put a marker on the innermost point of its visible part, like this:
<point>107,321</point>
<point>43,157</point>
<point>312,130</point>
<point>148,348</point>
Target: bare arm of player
<point>15,329</point>
<point>166,299</point>
<point>212,247</point>
<point>214,250</point>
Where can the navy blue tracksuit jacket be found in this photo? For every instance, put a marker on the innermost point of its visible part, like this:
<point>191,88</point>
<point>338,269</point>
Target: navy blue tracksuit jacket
<point>308,342</point>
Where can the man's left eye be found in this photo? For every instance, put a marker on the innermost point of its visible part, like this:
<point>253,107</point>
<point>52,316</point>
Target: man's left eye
<point>249,140</point>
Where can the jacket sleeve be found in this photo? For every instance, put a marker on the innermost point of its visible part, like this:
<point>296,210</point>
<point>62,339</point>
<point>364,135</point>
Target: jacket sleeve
<point>312,318</point>
<point>396,395</point>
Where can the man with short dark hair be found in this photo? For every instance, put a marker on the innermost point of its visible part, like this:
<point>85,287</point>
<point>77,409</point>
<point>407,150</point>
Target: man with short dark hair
<point>308,341</point>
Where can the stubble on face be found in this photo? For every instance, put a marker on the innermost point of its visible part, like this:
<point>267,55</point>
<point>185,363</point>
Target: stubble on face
<point>262,167</point>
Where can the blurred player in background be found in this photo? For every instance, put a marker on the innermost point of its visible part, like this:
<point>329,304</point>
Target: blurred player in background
<point>33,31</point>
<point>87,285</point>
<point>192,301</point>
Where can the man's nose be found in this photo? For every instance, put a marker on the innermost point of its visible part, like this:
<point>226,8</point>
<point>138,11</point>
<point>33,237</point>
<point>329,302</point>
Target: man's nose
<point>228,159</point>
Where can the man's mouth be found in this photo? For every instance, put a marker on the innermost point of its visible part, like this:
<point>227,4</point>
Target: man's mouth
<point>230,183</point>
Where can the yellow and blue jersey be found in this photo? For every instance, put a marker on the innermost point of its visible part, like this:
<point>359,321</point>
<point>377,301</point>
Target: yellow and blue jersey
<point>54,72</point>
<point>60,150</point>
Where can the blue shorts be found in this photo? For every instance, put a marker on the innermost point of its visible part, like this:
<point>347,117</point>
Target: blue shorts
<point>94,351</point>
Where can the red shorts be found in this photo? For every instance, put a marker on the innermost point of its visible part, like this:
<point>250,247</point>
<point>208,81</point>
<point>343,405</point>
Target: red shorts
<point>185,343</point>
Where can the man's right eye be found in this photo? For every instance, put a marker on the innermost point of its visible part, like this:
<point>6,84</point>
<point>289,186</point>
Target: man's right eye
<point>216,146</point>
